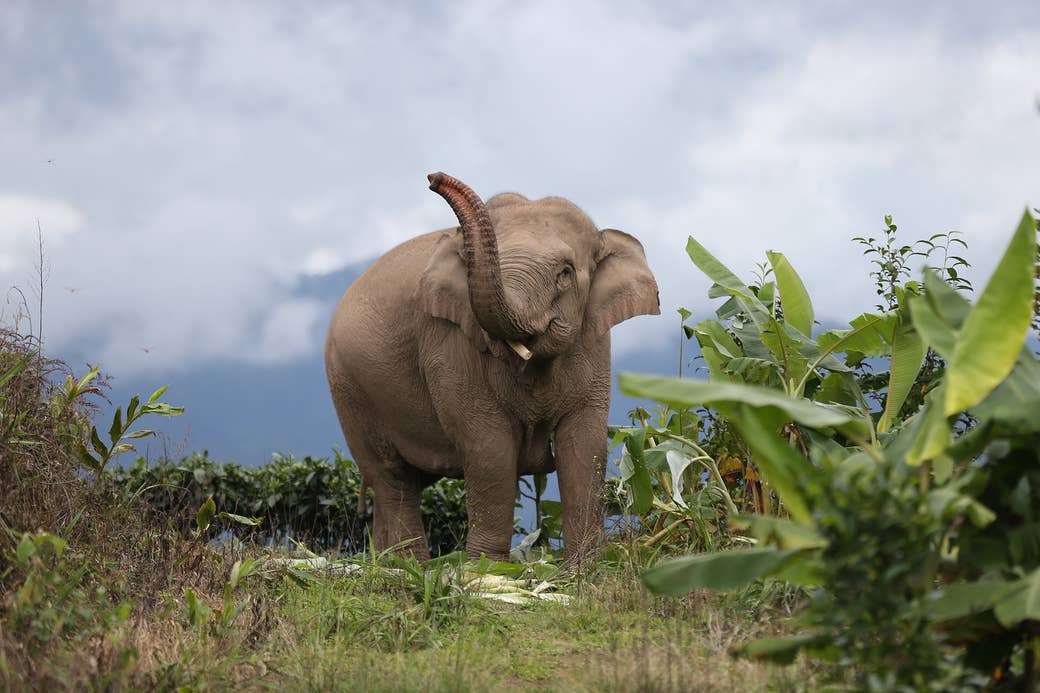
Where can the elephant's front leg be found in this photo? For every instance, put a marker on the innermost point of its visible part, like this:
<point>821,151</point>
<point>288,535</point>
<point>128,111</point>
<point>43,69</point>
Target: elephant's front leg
<point>491,478</point>
<point>581,456</point>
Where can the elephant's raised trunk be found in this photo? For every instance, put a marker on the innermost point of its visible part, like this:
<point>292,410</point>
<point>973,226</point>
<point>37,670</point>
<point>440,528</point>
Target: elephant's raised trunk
<point>486,294</point>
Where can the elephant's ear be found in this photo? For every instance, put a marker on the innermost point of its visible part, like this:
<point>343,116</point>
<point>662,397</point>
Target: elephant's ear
<point>622,285</point>
<point>443,290</point>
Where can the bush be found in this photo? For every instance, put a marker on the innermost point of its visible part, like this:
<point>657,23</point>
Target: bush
<point>918,536</point>
<point>86,579</point>
<point>314,500</point>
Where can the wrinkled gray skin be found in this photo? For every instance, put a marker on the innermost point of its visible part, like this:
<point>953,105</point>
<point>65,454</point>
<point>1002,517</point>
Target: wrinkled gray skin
<point>425,385</point>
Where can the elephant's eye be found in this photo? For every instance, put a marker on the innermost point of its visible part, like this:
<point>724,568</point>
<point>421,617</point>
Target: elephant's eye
<point>565,277</point>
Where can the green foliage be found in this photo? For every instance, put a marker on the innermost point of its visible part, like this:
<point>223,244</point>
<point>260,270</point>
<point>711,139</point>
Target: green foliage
<point>210,623</point>
<point>11,418</point>
<point>918,537</point>
<point>54,598</point>
<point>661,482</point>
<point>891,261</point>
<point>119,433</point>
<point>310,498</point>
<point>989,341</point>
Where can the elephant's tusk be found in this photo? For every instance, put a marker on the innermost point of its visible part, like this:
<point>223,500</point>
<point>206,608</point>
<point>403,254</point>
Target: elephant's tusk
<point>522,351</point>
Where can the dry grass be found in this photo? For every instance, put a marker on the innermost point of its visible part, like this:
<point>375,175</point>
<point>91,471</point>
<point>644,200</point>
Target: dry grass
<point>115,554</point>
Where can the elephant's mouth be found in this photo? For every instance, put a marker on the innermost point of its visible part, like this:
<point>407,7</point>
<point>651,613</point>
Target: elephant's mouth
<point>539,343</point>
<point>521,350</point>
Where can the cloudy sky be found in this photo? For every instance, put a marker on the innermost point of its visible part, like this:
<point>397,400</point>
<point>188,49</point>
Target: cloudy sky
<point>192,165</point>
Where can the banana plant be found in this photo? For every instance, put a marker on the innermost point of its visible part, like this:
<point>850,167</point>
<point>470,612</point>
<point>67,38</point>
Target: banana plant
<point>906,529</point>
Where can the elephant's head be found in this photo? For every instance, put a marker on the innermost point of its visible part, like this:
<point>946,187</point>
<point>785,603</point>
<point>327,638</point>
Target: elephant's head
<point>533,273</point>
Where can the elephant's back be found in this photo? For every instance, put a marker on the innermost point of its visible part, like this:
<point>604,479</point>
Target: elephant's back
<point>394,277</point>
<point>378,309</point>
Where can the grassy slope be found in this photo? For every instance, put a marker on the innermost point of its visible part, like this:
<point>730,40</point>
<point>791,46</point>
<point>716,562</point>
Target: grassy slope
<point>364,633</point>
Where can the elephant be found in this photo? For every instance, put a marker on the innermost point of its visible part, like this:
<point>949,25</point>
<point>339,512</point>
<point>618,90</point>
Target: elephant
<point>482,352</point>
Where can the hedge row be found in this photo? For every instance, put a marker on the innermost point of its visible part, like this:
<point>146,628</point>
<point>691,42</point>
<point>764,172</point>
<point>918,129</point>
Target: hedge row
<point>311,499</point>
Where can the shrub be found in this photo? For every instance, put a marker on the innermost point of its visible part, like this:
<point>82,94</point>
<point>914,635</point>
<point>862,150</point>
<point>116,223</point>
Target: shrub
<point>310,499</point>
<point>918,538</point>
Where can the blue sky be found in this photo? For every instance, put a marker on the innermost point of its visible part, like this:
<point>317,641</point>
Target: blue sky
<point>196,166</point>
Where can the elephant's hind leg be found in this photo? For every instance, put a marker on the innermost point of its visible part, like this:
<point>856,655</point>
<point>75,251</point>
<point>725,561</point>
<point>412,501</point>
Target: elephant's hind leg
<point>397,523</point>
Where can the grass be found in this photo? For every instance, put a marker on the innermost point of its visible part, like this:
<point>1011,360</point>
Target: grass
<point>98,593</point>
<point>376,629</point>
<point>357,634</point>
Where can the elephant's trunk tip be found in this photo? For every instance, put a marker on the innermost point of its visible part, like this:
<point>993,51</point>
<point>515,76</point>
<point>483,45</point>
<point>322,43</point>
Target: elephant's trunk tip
<point>436,180</point>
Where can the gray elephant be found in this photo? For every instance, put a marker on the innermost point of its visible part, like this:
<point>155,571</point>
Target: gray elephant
<point>483,352</point>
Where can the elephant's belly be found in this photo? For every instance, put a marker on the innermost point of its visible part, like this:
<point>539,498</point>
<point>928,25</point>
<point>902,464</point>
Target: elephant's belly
<point>536,454</point>
<point>436,457</point>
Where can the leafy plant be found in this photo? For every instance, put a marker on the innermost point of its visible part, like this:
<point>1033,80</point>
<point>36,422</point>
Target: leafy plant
<point>54,599</point>
<point>119,433</point>
<point>11,418</point>
<point>670,482</point>
<point>310,498</point>
<point>916,535</point>
<point>210,623</point>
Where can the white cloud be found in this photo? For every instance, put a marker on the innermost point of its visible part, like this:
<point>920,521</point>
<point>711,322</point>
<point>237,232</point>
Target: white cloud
<point>290,330</point>
<point>211,155</point>
<point>25,217</point>
<point>321,261</point>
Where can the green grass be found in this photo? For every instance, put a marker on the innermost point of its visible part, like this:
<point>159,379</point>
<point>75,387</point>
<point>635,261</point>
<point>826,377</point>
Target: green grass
<point>366,633</point>
<point>376,631</point>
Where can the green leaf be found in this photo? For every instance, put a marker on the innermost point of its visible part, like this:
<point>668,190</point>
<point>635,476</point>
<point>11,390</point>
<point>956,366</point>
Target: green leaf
<point>116,430</point>
<point>162,409</point>
<point>717,366</point>
<point>716,571</point>
<point>837,388</point>
<point>635,474</point>
<point>243,569</point>
<point>205,514</point>
<point>241,519</point>
<point>690,393</point>
<point>752,369</point>
<point>131,409</point>
<point>798,310</point>
<point>767,295</point>
<point>143,433</point>
<point>1013,405</point>
<point>26,548</point>
<point>946,502</point>
<point>719,273</point>
<point>157,394</point>
<point>787,349</point>
<point>995,330</point>
<point>91,374</point>
<point>302,577</point>
<point>677,461</point>
<point>938,314</point>
<point>942,468</point>
<point>780,650</point>
<point>779,532</point>
<point>908,351</point>
<point>99,447</point>
<point>779,464</point>
<point>964,598</point>
<point>871,335</point>
<point>88,460</point>
<point>1021,601</point>
<point>934,434</point>
<point>711,332</point>
<point>15,369</point>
